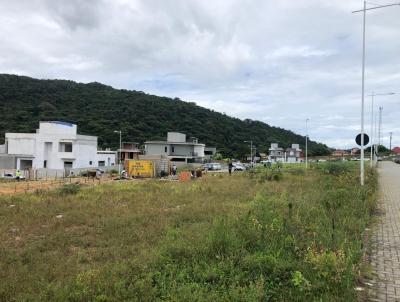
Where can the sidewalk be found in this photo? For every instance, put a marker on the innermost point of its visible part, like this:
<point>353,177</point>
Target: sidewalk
<point>385,240</point>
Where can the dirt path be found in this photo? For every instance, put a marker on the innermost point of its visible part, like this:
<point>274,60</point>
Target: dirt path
<point>14,187</point>
<point>385,253</point>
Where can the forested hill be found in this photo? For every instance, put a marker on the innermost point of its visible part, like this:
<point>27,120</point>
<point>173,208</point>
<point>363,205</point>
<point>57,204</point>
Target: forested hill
<point>99,110</point>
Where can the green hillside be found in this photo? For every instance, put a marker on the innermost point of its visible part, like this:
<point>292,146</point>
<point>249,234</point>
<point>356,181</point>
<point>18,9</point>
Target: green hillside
<point>99,110</point>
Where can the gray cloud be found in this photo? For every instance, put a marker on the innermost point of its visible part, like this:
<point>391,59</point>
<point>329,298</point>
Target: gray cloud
<point>277,61</point>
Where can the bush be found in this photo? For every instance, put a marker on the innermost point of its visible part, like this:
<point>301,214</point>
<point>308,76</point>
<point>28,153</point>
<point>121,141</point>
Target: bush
<point>335,168</point>
<point>69,189</point>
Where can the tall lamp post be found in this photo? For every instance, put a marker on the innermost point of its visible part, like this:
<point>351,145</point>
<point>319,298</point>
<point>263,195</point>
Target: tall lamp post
<point>372,95</point>
<point>119,153</point>
<point>364,10</point>
<point>307,142</point>
<point>251,151</point>
<point>379,131</point>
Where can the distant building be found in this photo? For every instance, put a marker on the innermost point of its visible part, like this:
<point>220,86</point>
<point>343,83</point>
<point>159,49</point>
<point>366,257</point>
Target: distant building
<point>130,150</point>
<point>177,148</point>
<point>289,155</point>
<point>396,150</point>
<point>293,154</point>
<point>340,153</point>
<point>276,153</point>
<point>355,151</point>
<point>209,152</point>
<point>55,145</point>
<point>263,156</point>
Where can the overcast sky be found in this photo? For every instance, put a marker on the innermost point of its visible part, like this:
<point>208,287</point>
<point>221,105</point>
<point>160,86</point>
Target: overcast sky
<point>278,61</point>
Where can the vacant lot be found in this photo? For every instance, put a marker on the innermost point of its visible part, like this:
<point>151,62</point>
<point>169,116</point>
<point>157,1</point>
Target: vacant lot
<point>251,237</point>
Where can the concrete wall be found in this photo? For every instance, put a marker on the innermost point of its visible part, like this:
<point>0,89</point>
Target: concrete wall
<point>108,158</point>
<point>8,161</point>
<point>182,150</point>
<point>157,149</point>
<point>199,149</point>
<point>176,137</point>
<point>21,143</point>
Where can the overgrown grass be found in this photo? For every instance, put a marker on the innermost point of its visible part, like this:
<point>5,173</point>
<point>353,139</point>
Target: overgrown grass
<point>249,237</point>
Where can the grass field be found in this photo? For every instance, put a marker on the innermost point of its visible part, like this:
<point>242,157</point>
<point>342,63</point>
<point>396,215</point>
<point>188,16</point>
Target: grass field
<point>260,236</point>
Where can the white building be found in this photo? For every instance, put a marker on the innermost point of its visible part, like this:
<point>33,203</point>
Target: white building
<point>55,145</point>
<point>293,154</point>
<point>176,148</point>
<point>290,155</point>
<point>276,153</point>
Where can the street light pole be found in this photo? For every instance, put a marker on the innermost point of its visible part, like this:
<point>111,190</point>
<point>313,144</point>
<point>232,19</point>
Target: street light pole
<point>372,95</point>
<point>362,98</point>
<point>251,151</point>
<point>307,142</point>
<point>390,144</point>
<point>120,150</point>
<point>364,10</point>
<point>379,130</point>
<point>372,126</point>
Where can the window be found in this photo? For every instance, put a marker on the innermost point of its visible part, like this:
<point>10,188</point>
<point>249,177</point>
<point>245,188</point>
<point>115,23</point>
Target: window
<point>65,147</point>
<point>208,152</point>
<point>173,149</point>
<point>90,163</point>
<point>68,164</point>
<point>102,163</point>
<point>165,149</point>
<point>45,164</point>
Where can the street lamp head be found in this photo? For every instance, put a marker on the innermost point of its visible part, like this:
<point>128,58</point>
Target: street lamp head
<point>117,131</point>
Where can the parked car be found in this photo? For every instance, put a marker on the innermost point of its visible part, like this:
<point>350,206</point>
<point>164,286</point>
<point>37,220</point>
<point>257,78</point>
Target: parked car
<point>212,166</point>
<point>11,176</point>
<point>8,176</point>
<point>238,167</point>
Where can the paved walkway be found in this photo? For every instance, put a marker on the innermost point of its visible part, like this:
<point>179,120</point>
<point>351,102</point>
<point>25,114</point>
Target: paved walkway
<point>385,253</point>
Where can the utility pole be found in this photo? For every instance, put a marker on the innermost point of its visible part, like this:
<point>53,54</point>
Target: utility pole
<point>364,10</point>
<point>372,128</point>
<point>372,95</point>
<point>251,151</point>
<point>119,154</point>
<point>379,130</point>
<point>390,145</point>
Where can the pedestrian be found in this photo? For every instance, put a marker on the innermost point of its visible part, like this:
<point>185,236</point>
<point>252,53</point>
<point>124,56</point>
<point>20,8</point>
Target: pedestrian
<point>173,169</point>
<point>230,166</point>
<point>18,175</point>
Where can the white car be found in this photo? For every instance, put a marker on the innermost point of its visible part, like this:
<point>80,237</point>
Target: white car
<point>238,167</point>
<point>212,166</point>
<point>11,176</point>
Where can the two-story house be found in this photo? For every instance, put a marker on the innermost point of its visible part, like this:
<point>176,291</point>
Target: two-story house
<point>55,145</point>
<point>177,148</point>
<point>276,153</point>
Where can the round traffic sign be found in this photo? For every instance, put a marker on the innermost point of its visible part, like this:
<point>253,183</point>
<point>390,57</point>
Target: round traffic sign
<point>366,139</point>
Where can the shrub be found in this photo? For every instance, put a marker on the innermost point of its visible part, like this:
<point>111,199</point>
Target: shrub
<point>69,189</point>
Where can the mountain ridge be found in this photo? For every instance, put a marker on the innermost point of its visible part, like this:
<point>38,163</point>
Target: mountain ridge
<point>100,109</point>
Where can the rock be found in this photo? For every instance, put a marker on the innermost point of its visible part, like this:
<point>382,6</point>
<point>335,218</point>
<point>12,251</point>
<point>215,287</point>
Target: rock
<point>59,216</point>
<point>11,205</point>
<point>14,230</point>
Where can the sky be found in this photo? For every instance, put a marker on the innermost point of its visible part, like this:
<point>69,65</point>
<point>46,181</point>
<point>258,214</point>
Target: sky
<point>277,61</point>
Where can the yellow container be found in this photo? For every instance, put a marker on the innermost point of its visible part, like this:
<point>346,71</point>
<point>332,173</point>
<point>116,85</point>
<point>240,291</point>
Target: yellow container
<point>140,168</point>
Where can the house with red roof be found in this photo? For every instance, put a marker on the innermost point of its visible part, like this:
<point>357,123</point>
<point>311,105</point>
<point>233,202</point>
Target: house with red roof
<point>396,150</point>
